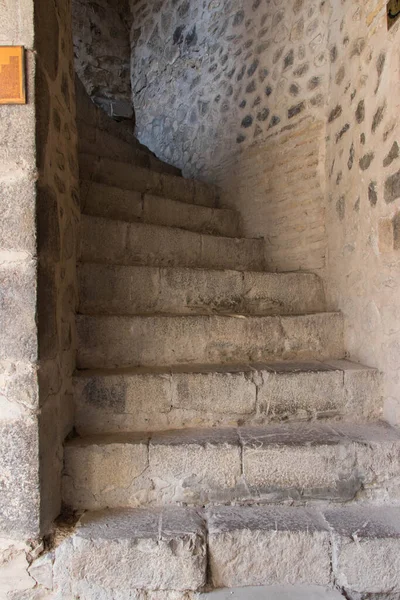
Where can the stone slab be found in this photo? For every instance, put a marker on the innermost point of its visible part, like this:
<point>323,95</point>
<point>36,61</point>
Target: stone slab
<point>107,201</point>
<point>128,290</point>
<point>367,548</point>
<point>299,462</point>
<point>274,592</point>
<point>114,342</point>
<point>127,549</point>
<point>119,242</point>
<point>214,396</point>
<point>267,546</point>
<point>127,176</point>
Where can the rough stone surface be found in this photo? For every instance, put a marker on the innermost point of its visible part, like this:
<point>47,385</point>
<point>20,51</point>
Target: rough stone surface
<point>147,341</point>
<point>131,177</point>
<point>108,241</point>
<point>301,462</point>
<point>102,53</point>
<point>114,203</point>
<point>38,181</point>
<point>236,67</point>
<point>367,544</point>
<point>362,271</point>
<point>275,592</point>
<point>258,546</point>
<point>209,396</point>
<point>128,549</point>
<point>116,289</point>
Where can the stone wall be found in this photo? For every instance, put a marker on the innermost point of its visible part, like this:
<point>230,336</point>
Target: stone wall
<point>232,92</point>
<point>210,79</point>
<point>38,232</point>
<point>102,51</point>
<point>363,179</point>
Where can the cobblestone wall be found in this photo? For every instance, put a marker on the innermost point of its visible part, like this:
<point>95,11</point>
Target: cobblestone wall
<point>363,178</point>
<point>211,79</point>
<point>102,49</point>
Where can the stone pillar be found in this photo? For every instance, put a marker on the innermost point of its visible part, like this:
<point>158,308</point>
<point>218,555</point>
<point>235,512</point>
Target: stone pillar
<point>40,215</point>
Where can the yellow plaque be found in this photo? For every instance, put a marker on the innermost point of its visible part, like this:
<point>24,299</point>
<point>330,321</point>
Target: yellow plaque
<point>12,75</point>
<point>393,12</point>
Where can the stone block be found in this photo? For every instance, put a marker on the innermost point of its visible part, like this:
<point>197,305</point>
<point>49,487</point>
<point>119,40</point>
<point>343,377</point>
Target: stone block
<point>194,466</point>
<point>105,240</point>
<point>133,549</point>
<point>274,592</point>
<point>210,395</point>
<point>17,206</point>
<point>146,341</point>
<point>318,461</point>
<point>18,331</point>
<point>366,549</point>
<point>267,546</point>
<point>101,472</point>
<point>20,486</point>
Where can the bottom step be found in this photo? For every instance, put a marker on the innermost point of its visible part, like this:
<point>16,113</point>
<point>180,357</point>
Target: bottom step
<point>275,592</point>
<point>356,549</point>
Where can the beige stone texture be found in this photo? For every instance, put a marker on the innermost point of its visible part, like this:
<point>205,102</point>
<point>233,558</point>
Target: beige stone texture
<point>108,241</point>
<point>123,290</point>
<point>210,396</point>
<point>362,274</point>
<point>113,551</point>
<point>131,177</point>
<point>366,556</point>
<point>255,546</point>
<point>147,341</point>
<point>300,462</point>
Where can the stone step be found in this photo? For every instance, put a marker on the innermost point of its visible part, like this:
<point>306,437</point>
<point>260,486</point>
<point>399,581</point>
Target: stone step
<point>296,462</point>
<point>130,290</point>
<point>354,548</point>
<point>128,550</point>
<point>274,592</point>
<point>132,177</point>
<point>210,396</point>
<point>115,342</point>
<point>102,200</point>
<point>119,242</point>
<point>168,554</point>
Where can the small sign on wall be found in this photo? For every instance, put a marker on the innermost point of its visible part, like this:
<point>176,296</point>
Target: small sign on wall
<point>393,12</point>
<point>12,75</point>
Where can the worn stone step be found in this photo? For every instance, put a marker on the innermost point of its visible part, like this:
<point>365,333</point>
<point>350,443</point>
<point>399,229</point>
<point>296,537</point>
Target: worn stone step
<point>130,290</point>
<point>102,200</point>
<point>132,550</point>
<point>131,177</point>
<point>111,341</point>
<point>209,396</point>
<point>297,553</point>
<point>355,548</point>
<point>118,242</point>
<point>297,462</point>
<point>274,592</point>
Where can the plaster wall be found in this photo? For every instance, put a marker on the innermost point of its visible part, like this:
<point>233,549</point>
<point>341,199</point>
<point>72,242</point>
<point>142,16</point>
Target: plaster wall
<point>363,186</point>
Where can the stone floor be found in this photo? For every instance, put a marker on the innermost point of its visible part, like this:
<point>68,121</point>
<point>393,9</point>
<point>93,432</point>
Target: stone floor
<point>274,592</point>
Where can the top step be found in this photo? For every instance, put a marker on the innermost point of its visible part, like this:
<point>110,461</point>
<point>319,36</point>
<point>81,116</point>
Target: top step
<point>131,177</point>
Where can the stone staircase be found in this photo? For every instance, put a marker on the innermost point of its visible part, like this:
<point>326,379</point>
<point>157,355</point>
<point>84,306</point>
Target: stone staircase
<point>222,439</point>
